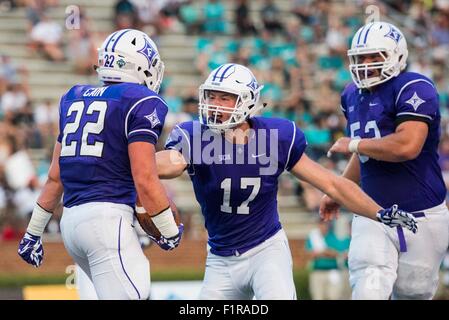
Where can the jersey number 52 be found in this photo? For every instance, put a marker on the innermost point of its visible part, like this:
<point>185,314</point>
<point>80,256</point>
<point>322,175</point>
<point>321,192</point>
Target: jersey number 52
<point>370,125</point>
<point>94,150</point>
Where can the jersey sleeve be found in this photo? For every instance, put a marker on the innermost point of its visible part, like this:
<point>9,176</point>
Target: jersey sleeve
<point>417,100</point>
<point>60,134</point>
<point>145,120</point>
<point>296,142</point>
<point>343,99</point>
<point>343,105</point>
<point>179,139</point>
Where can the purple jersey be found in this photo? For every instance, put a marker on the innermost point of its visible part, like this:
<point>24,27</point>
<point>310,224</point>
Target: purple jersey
<point>96,125</point>
<point>236,184</point>
<point>416,184</point>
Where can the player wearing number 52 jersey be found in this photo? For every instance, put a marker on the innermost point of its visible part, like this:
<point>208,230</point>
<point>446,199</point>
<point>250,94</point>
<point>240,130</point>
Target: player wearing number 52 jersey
<point>234,160</point>
<point>394,126</point>
<point>103,158</point>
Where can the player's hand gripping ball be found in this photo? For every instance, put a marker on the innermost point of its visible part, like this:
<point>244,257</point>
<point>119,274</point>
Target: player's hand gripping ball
<point>150,228</point>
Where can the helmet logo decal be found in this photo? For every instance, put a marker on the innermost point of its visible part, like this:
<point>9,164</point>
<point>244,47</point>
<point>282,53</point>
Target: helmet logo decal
<point>253,84</point>
<point>121,63</point>
<point>148,51</point>
<point>224,74</point>
<point>394,34</point>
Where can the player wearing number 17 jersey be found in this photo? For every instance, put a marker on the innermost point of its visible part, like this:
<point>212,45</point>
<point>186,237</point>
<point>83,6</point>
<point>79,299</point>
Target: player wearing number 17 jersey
<point>234,160</point>
<point>103,158</point>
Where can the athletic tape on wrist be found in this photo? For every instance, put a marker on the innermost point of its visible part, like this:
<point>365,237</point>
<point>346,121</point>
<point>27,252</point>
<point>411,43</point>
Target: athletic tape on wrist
<point>354,145</point>
<point>165,222</point>
<point>140,209</point>
<point>39,220</point>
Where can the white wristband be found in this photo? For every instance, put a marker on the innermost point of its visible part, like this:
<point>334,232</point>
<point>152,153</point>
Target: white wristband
<point>354,145</point>
<point>140,209</point>
<point>165,222</point>
<point>39,220</point>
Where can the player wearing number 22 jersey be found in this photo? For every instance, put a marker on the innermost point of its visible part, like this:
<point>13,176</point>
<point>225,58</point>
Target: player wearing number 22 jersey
<point>103,158</point>
<point>234,160</point>
<point>94,169</point>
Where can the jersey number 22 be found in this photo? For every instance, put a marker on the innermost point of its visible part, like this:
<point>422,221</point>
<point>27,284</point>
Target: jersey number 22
<point>94,150</point>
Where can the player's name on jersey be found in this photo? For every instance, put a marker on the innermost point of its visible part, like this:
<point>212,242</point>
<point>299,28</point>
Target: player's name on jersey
<point>233,309</point>
<point>207,147</point>
<point>95,92</point>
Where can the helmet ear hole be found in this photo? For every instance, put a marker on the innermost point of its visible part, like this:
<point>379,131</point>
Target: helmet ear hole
<point>147,73</point>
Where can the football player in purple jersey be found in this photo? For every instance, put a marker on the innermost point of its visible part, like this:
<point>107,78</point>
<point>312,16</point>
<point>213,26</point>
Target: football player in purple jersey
<point>234,160</point>
<point>393,123</point>
<point>103,157</point>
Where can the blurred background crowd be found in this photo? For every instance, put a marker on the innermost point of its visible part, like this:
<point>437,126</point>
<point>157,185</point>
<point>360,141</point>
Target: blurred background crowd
<point>296,48</point>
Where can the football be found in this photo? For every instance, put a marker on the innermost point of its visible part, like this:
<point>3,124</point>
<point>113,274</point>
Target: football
<point>149,227</point>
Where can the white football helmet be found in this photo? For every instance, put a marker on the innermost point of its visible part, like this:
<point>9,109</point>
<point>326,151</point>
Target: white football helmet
<point>234,79</point>
<point>130,56</point>
<point>377,38</point>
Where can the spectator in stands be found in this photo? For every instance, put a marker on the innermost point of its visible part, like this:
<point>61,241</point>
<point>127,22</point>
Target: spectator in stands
<point>11,73</point>
<point>46,117</point>
<point>325,279</point>
<point>46,36</point>
<point>270,16</point>
<point>190,102</point>
<point>214,17</point>
<point>440,32</point>
<point>149,16</point>
<point>243,20</point>
<point>422,65</point>
<point>302,9</point>
<point>7,5</point>
<point>190,16</point>
<point>34,11</point>
<point>337,37</point>
<point>125,15</point>
<point>318,136</point>
<point>82,50</point>
<point>14,102</point>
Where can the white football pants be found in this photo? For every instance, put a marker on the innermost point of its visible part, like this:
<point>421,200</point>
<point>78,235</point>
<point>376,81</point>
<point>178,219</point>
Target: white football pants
<point>379,270</point>
<point>263,272</point>
<point>85,287</point>
<point>102,241</point>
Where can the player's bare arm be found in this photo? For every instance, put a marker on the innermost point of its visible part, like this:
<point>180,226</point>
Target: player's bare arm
<point>53,189</point>
<point>150,190</point>
<point>143,166</point>
<point>404,144</point>
<point>49,198</point>
<point>328,207</point>
<point>345,192</point>
<point>30,247</point>
<point>342,190</point>
<point>170,164</point>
